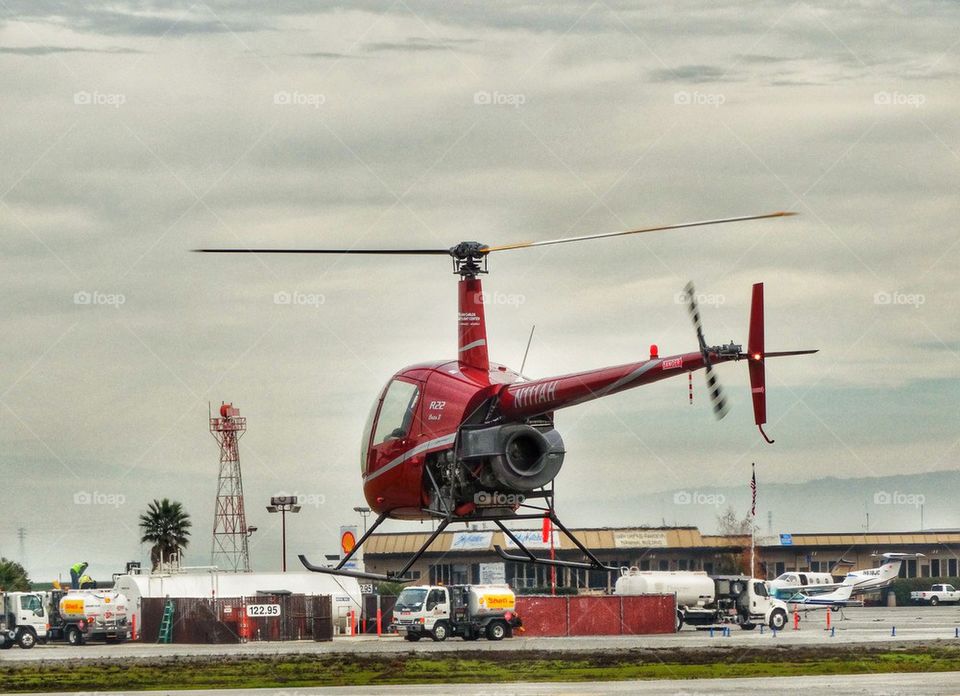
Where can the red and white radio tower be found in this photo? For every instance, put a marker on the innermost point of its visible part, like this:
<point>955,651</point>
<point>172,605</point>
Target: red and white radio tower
<point>230,522</point>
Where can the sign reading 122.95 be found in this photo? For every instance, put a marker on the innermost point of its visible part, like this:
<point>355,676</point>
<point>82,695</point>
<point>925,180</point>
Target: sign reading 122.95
<point>255,611</point>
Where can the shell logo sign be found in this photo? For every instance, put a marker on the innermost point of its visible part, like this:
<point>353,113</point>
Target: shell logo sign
<point>73,606</point>
<point>349,535</point>
<point>498,601</point>
<point>348,541</point>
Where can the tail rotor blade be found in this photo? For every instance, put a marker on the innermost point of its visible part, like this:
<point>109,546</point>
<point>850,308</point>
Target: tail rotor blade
<point>717,398</point>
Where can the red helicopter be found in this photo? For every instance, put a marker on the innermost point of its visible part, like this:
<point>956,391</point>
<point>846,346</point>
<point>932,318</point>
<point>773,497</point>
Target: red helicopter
<point>468,440</point>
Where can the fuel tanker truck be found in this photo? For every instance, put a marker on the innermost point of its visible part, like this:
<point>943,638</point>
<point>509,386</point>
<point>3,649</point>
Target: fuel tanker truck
<point>704,600</point>
<point>468,611</point>
<point>77,616</point>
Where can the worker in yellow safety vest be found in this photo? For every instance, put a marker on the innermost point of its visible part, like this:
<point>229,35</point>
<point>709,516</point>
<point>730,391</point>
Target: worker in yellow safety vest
<point>76,570</point>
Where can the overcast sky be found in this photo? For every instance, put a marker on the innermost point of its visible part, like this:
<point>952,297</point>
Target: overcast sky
<point>134,133</point>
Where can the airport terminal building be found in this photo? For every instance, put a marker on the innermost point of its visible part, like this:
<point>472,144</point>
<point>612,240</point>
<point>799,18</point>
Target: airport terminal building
<point>468,556</point>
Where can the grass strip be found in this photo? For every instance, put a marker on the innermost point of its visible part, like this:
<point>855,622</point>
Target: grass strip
<point>130,674</point>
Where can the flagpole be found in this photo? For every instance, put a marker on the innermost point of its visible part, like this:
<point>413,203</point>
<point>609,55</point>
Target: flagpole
<point>753,526</point>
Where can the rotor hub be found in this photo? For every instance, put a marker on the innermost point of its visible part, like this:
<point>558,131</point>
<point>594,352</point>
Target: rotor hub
<point>469,259</point>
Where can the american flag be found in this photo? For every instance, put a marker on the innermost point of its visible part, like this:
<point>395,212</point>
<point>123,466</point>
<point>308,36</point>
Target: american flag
<point>753,490</point>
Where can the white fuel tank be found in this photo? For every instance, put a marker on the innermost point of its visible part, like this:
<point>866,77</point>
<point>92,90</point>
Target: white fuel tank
<point>490,599</point>
<point>692,589</point>
<point>98,605</point>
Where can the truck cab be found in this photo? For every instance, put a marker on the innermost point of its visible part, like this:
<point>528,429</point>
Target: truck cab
<point>468,611</point>
<point>24,620</point>
<point>756,604</point>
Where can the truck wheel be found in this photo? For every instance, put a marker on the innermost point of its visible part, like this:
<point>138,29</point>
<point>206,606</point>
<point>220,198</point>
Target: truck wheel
<point>412,637</point>
<point>27,639</point>
<point>496,630</point>
<point>74,636</point>
<point>934,601</point>
<point>5,642</point>
<point>748,626</point>
<point>440,631</point>
<point>679,621</point>
<point>778,619</point>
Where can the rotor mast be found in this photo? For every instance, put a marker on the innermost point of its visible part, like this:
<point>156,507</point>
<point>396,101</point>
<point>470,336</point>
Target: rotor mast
<point>470,262</point>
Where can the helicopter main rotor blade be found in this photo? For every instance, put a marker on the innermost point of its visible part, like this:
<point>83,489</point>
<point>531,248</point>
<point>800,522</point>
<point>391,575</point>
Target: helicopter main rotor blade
<point>602,235</point>
<point>429,252</point>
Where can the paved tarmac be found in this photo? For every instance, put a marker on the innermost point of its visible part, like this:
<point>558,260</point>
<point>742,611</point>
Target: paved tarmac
<point>920,684</point>
<point>863,625</point>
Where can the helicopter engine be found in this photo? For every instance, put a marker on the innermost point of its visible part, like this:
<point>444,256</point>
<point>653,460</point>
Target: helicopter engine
<point>494,466</point>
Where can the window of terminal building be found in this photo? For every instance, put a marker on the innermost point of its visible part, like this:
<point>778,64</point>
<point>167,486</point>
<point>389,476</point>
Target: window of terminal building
<point>935,567</point>
<point>952,567</point>
<point>911,565</point>
<point>449,574</point>
<point>645,564</point>
<point>682,564</point>
<point>708,567</point>
<point>779,569</point>
<point>925,570</point>
<point>664,564</point>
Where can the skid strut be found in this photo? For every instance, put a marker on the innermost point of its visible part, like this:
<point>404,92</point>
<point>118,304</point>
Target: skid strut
<point>526,556</point>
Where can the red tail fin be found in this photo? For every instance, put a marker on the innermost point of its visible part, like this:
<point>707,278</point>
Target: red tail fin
<point>756,356</point>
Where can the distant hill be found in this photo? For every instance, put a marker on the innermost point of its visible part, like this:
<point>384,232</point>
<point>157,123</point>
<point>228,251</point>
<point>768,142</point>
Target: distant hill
<point>893,503</point>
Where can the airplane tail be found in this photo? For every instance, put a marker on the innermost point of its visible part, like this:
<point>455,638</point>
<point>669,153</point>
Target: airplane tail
<point>843,593</point>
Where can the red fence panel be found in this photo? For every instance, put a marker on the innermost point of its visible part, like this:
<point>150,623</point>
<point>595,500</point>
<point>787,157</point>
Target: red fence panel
<point>590,615</point>
<point>594,616</point>
<point>647,614</point>
<point>543,616</point>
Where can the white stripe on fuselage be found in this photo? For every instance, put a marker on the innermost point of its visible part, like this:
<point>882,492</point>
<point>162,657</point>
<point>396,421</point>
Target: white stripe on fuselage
<point>413,452</point>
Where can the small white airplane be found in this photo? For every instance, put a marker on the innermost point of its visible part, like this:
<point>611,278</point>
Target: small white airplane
<point>819,589</point>
<point>839,598</point>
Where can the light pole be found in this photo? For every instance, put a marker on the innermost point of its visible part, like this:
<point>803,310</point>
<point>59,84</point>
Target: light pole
<point>364,511</point>
<point>283,504</point>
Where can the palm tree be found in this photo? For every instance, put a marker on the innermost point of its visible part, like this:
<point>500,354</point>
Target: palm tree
<point>165,525</point>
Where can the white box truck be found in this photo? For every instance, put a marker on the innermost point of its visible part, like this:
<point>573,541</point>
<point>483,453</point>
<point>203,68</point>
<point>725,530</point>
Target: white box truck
<point>468,611</point>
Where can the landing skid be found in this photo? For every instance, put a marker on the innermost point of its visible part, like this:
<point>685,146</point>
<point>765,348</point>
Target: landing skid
<point>525,556</point>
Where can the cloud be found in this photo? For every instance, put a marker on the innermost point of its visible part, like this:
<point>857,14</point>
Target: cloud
<point>417,44</point>
<point>692,74</point>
